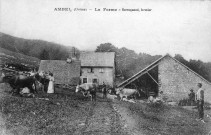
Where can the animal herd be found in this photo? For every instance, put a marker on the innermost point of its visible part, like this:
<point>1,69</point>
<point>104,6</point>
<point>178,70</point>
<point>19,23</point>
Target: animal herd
<point>90,89</point>
<point>18,82</point>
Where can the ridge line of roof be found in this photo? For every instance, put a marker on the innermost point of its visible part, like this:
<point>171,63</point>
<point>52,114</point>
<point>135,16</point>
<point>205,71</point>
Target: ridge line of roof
<point>61,60</point>
<point>97,52</point>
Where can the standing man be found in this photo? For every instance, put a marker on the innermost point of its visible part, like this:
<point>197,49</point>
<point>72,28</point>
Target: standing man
<point>104,90</point>
<point>93,92</point>
<point>200,101</point>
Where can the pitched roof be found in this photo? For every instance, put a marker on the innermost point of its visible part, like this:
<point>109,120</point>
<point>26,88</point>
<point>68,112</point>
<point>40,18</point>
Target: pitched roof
<point>155,63</point>
<point>97,59</point>
<point>64,73</point>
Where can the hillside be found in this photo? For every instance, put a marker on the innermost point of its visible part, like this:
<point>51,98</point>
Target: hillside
<point>9,57</point>
<point>34,48</point>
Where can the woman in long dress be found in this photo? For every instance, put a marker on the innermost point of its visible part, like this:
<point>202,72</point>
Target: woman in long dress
<point>51,84</point>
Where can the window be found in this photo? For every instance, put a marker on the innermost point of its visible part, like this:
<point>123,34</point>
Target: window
<point>84,80</point>
<point>94,80</point>
<point>90,70</point>
<point>101,70</point>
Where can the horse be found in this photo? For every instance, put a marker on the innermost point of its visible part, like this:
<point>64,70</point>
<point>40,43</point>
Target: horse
<point>88,89</point>
<point>20,81</point>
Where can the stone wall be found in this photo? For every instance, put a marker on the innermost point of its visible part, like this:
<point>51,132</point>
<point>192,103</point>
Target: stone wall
<point>64,73</point>
<point>106,76</point>
<point>175,80</point>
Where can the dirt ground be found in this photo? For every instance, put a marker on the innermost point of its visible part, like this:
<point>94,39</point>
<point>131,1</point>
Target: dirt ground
<point>73,114</point>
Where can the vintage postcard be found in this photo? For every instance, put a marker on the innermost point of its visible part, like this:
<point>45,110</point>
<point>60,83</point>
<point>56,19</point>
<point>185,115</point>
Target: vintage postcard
<point>115,67</point>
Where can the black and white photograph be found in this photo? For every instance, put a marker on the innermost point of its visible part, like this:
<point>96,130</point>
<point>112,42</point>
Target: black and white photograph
<point>96,67</point>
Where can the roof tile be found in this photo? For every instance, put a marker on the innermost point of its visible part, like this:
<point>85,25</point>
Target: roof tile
<point>97,59</point>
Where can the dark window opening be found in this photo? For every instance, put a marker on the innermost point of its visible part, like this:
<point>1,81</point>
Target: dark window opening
<point>84,80</point>
<point>94,80</point>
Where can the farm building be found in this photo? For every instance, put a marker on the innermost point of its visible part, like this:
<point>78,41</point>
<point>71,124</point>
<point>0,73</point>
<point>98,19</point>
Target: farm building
<point>98,67</point>
<point>64,73</point>
<point>170,76</point>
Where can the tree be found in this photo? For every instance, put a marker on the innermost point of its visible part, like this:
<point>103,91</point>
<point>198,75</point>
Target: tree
<point>180,58</point>
<point>44,55</point>
<point>196,65</point>
<point>106,47</point>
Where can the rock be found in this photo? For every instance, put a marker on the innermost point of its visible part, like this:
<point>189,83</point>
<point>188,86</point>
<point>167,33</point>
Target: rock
<point>131,101</point>
<point>81,124</point>
<point>141,101</point>
<point>124,99</point>
<point>172,103</point>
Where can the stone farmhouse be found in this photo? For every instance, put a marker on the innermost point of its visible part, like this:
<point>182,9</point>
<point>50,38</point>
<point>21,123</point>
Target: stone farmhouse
<point>98,67</point>
<point>172,77</point>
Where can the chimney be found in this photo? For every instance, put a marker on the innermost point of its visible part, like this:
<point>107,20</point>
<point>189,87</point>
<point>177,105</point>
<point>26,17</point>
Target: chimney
<point>72,55</point>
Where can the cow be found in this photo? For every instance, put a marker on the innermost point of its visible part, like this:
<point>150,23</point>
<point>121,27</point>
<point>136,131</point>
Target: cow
<point>125,92</point>
<point>113,97</point>
<point>20,81</point>
<point>88,89</point>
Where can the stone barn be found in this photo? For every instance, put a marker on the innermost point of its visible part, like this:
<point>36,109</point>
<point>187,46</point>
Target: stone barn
<point>64,72</point>
<point>98,67</point>
<point>170,76</point>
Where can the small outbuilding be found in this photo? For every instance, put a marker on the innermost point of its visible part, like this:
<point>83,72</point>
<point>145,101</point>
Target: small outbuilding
<point>170,76</point>
<point>64,72</point>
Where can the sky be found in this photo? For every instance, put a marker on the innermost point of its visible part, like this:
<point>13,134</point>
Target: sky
<point>172,26</point>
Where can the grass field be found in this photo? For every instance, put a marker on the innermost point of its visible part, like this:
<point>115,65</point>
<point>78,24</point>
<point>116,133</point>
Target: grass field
<point>61,114</point>
<point>68,114</point>
<point>151,119</point>
<point>72,113</point>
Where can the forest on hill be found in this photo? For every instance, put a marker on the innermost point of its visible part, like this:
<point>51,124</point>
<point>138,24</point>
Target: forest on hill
<point>128,62</point>
<point>36,48</point>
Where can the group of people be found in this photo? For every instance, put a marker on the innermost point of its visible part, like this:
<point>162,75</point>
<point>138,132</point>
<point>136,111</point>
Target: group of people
<point>49,84</point>
<point>46,82</point>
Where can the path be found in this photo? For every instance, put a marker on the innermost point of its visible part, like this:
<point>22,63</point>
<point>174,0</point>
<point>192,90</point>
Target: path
<point>130,123</point>
<point>102,120</point>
